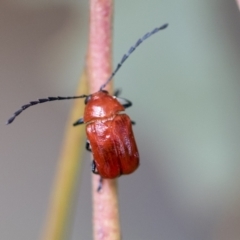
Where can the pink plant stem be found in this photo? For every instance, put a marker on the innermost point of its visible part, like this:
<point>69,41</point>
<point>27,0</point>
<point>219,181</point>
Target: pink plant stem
<point>106,224</point>
<point>100,43</point>
<point>238,3</point>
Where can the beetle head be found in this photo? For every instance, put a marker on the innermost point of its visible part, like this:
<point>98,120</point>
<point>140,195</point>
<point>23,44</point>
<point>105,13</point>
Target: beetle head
<point>101,105</point>
<point>88,98</point>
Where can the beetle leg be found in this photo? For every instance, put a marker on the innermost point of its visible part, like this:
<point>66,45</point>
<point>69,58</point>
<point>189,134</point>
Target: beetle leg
<point>127,104</point>
<point>117,92</point>
<point>94,170</point>
<point>133,122</point>
<point>88,146</point>
<point>100,184</point>
<point>94,167</point>
<point>78,122</point>
<point>124,102</point>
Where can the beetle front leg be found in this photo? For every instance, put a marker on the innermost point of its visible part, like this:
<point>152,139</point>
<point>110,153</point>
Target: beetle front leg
<point>78,122</point>
<point>124,102</point>
<point>127,104</point>
<point>117,92</point>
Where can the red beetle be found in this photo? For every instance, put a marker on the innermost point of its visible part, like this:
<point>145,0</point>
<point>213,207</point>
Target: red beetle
<point>109,130</point>
<point>110,134</point>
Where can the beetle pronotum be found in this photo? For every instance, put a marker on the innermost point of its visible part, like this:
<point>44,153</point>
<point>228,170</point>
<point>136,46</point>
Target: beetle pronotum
<point>109,130</point>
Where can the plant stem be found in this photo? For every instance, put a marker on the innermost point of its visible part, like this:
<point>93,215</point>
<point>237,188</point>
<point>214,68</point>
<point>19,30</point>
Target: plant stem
<point>238,3</point>
<point>106,225</point>
<point>67,177</point>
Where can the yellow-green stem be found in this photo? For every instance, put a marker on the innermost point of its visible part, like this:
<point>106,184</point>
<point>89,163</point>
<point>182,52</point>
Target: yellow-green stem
<point>65,186</point>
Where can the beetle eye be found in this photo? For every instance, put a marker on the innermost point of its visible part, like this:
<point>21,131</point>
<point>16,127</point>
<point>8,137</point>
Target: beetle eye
<point>87,99</point>
<point>104,91</point>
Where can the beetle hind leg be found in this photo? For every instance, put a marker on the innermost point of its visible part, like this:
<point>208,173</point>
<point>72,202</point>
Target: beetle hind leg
<point>100,184</point>
<point>95,171</point>
<point>94,168</point>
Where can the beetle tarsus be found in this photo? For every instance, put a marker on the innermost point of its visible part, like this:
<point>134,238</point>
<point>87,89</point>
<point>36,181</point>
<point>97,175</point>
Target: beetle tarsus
<point>100,185</point>
<point>78,122</point>
<point>117,92</point>
<point>94,168</point>
<point>127,104</point>
<point>88,146</point>
<point>124,102</point>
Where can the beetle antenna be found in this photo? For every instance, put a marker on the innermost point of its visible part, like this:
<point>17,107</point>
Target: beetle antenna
<point>130,51</point>
<point>42,100</point>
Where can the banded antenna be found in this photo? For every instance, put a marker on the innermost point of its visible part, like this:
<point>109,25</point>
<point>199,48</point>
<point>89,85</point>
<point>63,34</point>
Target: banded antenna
<point>130,51</point>
<point>125,56</point>
<point>41,100</point>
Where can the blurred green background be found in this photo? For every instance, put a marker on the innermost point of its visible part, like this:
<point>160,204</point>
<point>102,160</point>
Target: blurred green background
<point>184,83</point>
